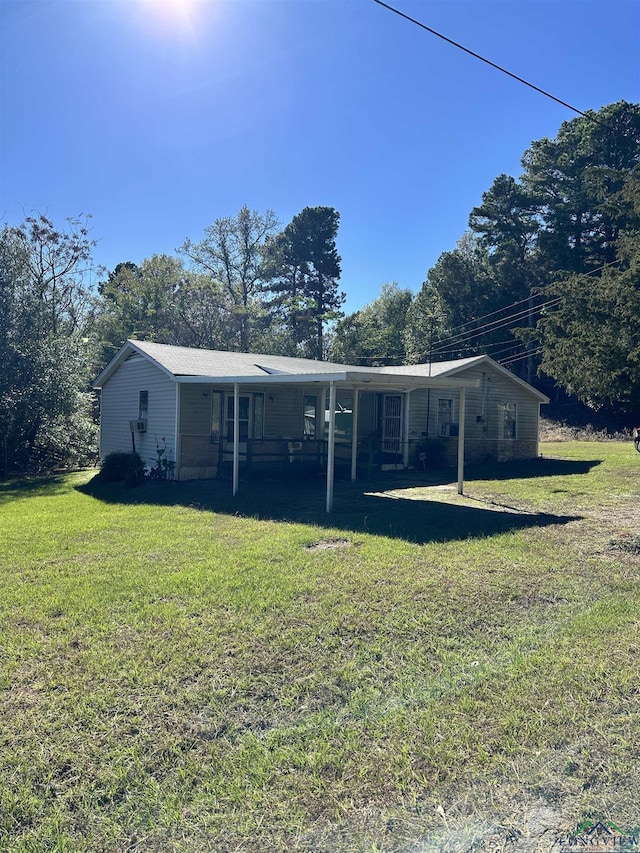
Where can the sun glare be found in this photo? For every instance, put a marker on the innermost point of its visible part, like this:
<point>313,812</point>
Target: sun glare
<point>170,14</point>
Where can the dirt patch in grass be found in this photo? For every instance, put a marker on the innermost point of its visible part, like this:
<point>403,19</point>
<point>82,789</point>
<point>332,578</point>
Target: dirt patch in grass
<point>329,544</point>
<point>629,543</point>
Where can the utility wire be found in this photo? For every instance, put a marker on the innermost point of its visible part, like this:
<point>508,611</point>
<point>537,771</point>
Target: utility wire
<point>492,64</point>
<point>468,334</point>
<point>457,334</point>
<point>509,361</point>
<point>473,352</point>
<point>495,325</point>
<point>499,323</point>
<point>505,349</point>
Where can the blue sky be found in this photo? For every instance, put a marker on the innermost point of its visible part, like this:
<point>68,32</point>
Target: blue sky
<point>158,116</point>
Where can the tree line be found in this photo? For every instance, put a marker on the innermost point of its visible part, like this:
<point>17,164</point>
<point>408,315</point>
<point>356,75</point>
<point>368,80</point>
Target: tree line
<point>247,285</point>
<point>545,280</point>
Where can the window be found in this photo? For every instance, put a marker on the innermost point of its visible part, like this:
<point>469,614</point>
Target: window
<point>258,416</point>
<point>243,417</point>
<point>445,416</point>
<point>250,412</point>
<point>344,419</point>
<point>143,405</point>
<point>216,416</point>
<point>309,409</point>
<point>508,420</point>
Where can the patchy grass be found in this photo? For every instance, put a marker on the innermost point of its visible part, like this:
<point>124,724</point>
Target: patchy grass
<point>182,672</point>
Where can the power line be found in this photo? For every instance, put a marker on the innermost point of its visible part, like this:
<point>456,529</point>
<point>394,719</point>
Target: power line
<point>460,352</point>
<point>492,64</point>
<point>512,344</point>
<point>509,361</point>
<point>495,325</point>
<point>482,317</point>
<point>465,335</point>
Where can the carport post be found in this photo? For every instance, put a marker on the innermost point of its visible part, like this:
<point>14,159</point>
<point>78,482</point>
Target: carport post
<point>236,435</point>
<point>332,444</point>
<point>354,435</point>
<point>405,435</point>
<point>461,419</point>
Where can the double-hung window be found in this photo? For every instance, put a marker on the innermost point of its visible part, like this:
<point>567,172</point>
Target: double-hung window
<point>508,420</point>
<point>343,419</point>
<point>143,405</point>
<point>309,415</point>
<point>250,416</point>
<point>445,416</point>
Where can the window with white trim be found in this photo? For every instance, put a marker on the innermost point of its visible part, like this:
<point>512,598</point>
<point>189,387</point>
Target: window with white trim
<point>508,420</point>
<point>445,415</point>
<point>250,416</point>
<point>258,416</point>
<point>143,405</point>
<point>216,416</point>
<point>309,415</point>
<point>343,420</point>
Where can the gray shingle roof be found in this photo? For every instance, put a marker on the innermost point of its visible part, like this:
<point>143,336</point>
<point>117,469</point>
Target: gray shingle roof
<point>185,361</point>
<point>436,368</point>
<point>189,362</point>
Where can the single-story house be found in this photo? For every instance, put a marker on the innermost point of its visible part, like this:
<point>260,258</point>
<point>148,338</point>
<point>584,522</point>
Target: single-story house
<point>225,410</point>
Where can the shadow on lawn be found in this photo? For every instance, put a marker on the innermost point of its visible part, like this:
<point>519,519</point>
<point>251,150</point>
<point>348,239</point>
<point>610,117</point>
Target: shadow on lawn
<point>29,487</point>
<point>526,469</point>
<point>358,507</point>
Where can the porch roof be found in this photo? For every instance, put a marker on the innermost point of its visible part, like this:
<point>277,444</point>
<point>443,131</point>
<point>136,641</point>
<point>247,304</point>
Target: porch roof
<point>353,379</point>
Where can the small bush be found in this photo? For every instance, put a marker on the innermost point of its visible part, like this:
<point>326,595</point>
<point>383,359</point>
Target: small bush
<point>430,454</point>
<point>122,468</point>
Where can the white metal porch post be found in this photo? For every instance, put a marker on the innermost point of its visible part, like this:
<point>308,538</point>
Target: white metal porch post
<point>354,435</point>
<point>405,431</point>
<point>177,451</point>
<point>332,445</point>
<point>461,419</point>
<point>236,435</point>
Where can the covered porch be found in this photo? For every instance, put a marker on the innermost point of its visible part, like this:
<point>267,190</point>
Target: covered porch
<point>347,424</point>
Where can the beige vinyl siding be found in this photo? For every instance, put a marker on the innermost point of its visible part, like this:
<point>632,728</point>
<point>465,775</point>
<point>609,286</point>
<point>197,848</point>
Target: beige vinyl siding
<point>195,410</point>
<point>366,416</point>
<point>485,402</point>
<point>484,413</point>
<point>418,414</point>
<point>119,405</point>
<point>283,413</point>
<point>282,417</point>
<point>199,457</point>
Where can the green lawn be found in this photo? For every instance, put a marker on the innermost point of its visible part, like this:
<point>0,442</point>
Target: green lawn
<point>180,671</point>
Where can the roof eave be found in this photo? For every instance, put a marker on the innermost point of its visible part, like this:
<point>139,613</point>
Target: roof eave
<point>125,350</point>
<point>352,378</point>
